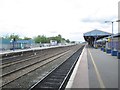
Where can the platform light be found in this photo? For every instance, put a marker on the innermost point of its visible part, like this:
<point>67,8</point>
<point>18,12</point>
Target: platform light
<point>112,27</point>
<point>112,31</point>
<point>117,20</point>
<point>112,24</point>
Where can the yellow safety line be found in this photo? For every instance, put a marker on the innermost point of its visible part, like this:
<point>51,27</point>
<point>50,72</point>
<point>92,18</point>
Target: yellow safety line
<point>97,72</point>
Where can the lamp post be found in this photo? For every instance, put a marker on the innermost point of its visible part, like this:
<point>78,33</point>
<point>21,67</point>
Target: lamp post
<point>112,32</point>
<point>117,20</point>
<point>118,54</point>
<point>13,41</point>
<point>112,24</point>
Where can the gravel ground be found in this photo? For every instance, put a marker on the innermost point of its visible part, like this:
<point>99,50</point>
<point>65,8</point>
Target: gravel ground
<point>28,54</point>
<point>18,74</point>
<point>27,80</point>
<point>28,61</point>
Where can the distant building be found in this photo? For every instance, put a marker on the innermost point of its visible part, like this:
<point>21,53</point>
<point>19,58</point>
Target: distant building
<point>53,42</point>
<point>7,44</point>
<point>23,44</point>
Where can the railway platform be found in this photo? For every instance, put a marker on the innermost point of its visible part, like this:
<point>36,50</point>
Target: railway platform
<point>31,49</point>
<point>94,69</point>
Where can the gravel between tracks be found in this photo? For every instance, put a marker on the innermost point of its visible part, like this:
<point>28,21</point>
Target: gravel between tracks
<point>27,80</point>
<point>26,63</point>
<point>25,55</point>
<point>42,55</point>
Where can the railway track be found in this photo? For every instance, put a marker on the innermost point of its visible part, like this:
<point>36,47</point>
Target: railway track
<point>6,58</point>
<point>19,72</point>
<point>15,71</point>
<point>11,67</point>
<point>57,78</point>
<point>25,55</point>
<point>21,60</point>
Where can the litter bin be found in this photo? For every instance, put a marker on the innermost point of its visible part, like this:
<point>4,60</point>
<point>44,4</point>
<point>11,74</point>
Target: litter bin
<point>101,48</point>
<point>108,51</point>
<point>114,53</point>
<point>118,55</point>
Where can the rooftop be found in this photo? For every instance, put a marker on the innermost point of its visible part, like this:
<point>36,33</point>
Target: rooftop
<point>96,33</point>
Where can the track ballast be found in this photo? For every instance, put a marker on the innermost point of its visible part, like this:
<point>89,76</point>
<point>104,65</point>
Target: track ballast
<point>58,78</point>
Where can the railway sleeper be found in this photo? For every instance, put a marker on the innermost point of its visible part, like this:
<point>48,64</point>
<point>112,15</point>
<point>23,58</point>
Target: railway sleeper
<point>49,85</point>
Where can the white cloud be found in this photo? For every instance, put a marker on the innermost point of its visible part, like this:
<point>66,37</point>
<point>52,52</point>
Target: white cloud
<point>53,17</point>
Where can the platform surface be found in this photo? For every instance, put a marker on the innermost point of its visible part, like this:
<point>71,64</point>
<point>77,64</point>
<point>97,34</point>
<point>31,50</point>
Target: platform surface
<point>33,48</point>
<point>95,69</point>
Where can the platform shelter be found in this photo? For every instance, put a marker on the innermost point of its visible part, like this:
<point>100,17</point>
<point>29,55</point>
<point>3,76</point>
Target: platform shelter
<point>95,35</point>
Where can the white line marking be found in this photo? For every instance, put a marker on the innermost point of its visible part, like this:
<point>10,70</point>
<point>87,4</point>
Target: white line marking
<point>70,82</point>
<point>97,72</point>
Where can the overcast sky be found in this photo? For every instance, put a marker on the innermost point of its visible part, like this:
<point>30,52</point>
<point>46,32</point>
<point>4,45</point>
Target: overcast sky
<point>70,18</point>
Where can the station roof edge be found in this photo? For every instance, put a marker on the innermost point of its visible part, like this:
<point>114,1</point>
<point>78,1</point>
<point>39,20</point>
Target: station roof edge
<point>96,33</point>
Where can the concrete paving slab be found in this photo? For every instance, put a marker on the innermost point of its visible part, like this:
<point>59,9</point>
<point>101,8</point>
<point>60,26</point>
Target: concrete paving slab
<point>94,69</point>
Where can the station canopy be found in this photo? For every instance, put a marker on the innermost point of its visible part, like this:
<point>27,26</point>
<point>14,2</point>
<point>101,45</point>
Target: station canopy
<point>93,35</point>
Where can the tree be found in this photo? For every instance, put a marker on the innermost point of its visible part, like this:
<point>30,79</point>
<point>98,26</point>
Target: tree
<point>72,41</point>
<point>68,41</point>
<point>59,36</point>
<point>12,36</point>
<point>42,39</point>
<point>27,38</point>
<point>37,39</point>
